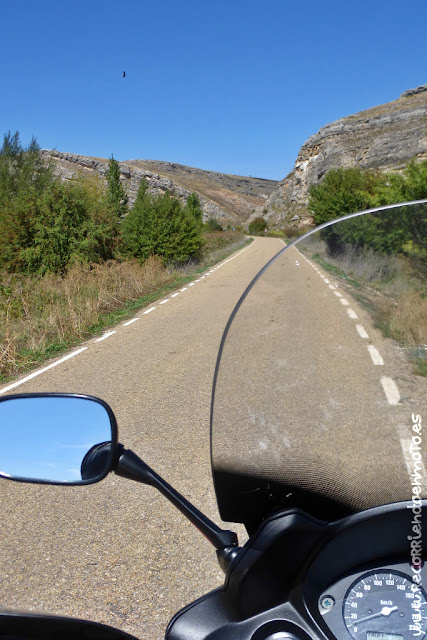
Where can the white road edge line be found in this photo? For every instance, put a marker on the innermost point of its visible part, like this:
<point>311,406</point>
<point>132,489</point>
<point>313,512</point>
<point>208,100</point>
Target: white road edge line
<point>352,314</point>
<point>164,301</point>
<point>126,324</point>
<point>344,302</point>
<point>149,311</point>
<point>375,355</point>
<point>390,389</point>
<point>106,335</point>
<point>175,294</point>
<point>338,294</point>
<point>40,371</point>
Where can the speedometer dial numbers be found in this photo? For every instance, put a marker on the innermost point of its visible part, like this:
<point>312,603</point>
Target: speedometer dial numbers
<point>385,605</point>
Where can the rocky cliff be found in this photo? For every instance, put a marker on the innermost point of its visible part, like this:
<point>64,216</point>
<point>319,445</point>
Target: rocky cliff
<point>229,199</point>
<point>383,138</point>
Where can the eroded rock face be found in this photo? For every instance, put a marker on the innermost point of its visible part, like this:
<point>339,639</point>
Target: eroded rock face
<point>66,165</point>
<point>383,138</point>
<point>228,199</point>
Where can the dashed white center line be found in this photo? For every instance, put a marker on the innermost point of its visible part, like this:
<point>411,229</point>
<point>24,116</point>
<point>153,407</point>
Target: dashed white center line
<point>352,314</point>
<point>344,302</point>
<point>126,324</point>
<point>191,284</point>
<point>184,289</point>
<point>164,301</point>
<point>149,311</point>
<point>331,286</point>
<point>375,355</point>
<point>390,389</point>
<point>361,331</point>
<point>175,294</point>
<point>327,281</point>
<point>106,335</point>
<point>338,294</point>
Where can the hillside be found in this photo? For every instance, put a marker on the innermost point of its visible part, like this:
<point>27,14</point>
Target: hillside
<point>229,199</point>
<point>383,138</point>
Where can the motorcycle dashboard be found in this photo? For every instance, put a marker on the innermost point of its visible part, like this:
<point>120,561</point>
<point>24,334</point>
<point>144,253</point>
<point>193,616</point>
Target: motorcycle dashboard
<point>377,603</point>
<point>358,578</point>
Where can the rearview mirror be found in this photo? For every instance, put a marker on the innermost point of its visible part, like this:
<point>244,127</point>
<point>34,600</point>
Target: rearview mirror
<point>56,438</point>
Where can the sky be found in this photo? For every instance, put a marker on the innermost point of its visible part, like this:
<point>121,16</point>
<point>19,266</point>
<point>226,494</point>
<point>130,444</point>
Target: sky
<point>234,86</point>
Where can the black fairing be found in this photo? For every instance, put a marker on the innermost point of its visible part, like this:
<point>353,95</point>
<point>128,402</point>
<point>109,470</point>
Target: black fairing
<point>22,626</point>
<point>278,576</point>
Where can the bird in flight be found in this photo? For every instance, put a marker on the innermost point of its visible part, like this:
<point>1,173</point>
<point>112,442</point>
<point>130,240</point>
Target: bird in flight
<point>124,74</point>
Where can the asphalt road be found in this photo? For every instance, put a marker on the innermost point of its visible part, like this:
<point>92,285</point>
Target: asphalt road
<point>118,552</point>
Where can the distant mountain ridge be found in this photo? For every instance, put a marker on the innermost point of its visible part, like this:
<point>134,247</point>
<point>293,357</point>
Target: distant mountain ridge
<point>385,137</point>
<point>227,198</point>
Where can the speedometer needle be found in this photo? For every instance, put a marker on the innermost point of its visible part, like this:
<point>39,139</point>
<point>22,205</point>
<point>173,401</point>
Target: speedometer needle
<point>385,611</point>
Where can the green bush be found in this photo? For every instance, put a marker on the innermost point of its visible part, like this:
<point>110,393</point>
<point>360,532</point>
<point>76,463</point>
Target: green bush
<point>117,196</point>
<point>258,225</point>
<point>194,208</point>
<point>341,191</point>
<point>70,226</point>
<point>345,191</point>
<point>212,225</point>
<point>161,226</point>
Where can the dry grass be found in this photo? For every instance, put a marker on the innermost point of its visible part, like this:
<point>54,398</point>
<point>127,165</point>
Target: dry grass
<point>39,316</point>
<point>390,287</point>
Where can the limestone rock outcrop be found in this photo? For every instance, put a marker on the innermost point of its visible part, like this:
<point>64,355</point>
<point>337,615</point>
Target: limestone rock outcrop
<point>383,138</point>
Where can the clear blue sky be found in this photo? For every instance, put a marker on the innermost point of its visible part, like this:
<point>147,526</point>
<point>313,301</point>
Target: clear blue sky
<point>231,86</point>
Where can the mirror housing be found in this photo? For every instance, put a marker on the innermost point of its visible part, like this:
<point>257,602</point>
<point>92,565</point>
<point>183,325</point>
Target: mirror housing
<point>56,438</point>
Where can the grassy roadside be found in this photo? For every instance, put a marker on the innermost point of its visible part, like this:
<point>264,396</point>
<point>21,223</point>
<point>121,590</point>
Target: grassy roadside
<point>388,288</point>
<point>40,318</point>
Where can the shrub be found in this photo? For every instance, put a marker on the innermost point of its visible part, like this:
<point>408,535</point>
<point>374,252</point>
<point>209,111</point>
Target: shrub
<point>341,191</point>
<point>69,226</point>
<point>258,225</point>
<point>117,196</point>
<point>161,226</point>
<point>212,225</point>
<point>194,207</point>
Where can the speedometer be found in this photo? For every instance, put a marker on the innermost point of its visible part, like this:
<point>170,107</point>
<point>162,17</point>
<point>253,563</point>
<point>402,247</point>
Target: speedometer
<point>385,605</point>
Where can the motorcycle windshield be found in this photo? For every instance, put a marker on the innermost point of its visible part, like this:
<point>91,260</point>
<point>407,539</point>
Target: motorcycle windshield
<point>319,395</point>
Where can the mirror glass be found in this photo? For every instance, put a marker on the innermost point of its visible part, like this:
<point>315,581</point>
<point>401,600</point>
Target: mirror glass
<point>55,439</point>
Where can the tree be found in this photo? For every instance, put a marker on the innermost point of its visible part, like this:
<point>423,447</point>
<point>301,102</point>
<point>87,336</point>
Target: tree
<point>117,196</point>
<point>24,177</point>
<point>342,191</point>
<point>258,225</point>
<point>72,224</point>
<point>22,170</point>
<point>212,225</point>
<point>194,207</point>
<point>161,226</point>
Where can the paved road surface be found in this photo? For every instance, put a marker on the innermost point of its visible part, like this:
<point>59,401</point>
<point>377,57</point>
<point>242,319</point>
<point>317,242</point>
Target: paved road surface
<point>117,552</point>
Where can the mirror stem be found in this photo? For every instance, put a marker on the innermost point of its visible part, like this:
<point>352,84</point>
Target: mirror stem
<point>128,465</point>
